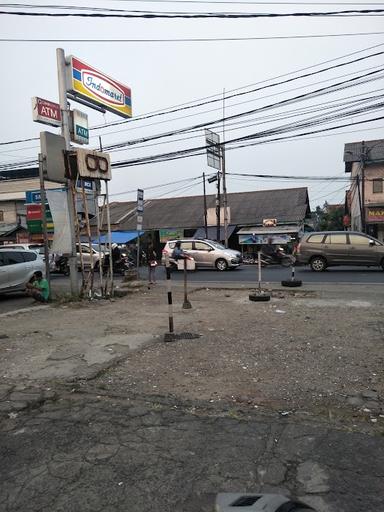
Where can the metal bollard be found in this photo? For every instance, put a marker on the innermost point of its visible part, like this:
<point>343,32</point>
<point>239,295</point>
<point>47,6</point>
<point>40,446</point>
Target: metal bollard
<point>186,303</point>
<point>169,294</point>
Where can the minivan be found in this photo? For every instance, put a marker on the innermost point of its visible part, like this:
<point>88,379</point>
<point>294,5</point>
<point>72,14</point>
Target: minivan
<point>206,253</point>
<point>17,268</point>
<point>330,248</point>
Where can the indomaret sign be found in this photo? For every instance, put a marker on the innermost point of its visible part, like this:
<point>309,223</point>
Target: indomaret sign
<point>95,87</point>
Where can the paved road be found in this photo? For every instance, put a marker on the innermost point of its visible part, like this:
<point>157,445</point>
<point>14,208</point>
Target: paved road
<point>246,274</point>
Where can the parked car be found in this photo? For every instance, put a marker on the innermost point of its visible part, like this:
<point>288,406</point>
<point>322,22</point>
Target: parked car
<point>17,267</point>
<point>38,248</point>
<point>329,248</point>
<point>86,255</point>
<point>206,253</point>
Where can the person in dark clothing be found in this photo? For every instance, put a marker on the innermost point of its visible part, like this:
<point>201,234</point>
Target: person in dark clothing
<point>152,263</point>
<point>116,253</point>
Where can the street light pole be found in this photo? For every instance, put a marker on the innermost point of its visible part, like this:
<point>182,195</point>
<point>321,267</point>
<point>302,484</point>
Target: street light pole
<point>61,72</point>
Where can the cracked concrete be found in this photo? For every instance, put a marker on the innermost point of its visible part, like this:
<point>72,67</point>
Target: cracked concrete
<point>93,453</point>
<point>97,414</point>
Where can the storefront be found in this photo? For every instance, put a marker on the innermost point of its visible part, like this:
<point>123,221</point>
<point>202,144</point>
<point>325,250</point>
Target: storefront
<point>375,222</point>
<point>250,238</point>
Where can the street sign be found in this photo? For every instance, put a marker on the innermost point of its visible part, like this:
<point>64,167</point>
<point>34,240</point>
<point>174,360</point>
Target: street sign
<point>46,112</point>
<point>213,149</point>
<point>79,127</point>
<point>52,150</point>
<point>93,165</point>
<point>99,89</point>
<point>140,208</point>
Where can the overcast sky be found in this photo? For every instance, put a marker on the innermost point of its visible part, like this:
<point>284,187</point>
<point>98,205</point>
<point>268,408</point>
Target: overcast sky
<point>165,74</point>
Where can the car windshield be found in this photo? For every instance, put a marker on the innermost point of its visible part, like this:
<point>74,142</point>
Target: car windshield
<point>216,244</point>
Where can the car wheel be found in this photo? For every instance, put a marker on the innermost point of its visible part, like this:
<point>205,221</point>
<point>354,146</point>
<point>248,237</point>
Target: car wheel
<point>318,264</point>
<point>221,264</point>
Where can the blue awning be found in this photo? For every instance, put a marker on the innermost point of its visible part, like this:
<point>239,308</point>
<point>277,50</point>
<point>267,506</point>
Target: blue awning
<point>118,237</point>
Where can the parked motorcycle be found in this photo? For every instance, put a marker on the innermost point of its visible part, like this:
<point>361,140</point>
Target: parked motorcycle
<point>120,265</point>
<point>61,266</point>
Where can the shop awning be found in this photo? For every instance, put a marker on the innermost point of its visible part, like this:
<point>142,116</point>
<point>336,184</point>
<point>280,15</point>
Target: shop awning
<point>274,230</point>
<point>118,237</point>
<point>212,231</point>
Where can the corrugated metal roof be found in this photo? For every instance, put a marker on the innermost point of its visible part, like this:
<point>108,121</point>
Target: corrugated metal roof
<point>14,190</point>
<point>370,151</point>
<point>247,208</point>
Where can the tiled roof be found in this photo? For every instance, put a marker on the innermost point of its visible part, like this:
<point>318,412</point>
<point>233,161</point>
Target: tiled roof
<point>246,208</point>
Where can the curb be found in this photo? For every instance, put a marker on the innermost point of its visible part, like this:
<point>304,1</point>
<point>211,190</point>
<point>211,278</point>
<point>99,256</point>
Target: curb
<point>24,310</point>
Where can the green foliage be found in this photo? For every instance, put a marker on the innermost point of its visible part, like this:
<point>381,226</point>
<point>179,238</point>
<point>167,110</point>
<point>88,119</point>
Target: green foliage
<point>329,217</point>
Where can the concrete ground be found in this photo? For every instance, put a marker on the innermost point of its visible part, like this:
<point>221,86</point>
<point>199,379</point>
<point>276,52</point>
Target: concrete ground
<point>99,413</point>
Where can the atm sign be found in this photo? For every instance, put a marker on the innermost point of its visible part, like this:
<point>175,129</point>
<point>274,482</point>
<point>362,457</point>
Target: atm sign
<point>46,112</point>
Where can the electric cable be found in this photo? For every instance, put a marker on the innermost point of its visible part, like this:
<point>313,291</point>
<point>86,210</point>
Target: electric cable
<point>191,39</point>
<point>136,14</point>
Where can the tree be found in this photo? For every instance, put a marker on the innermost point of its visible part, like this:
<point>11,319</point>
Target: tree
<point>329,217</point>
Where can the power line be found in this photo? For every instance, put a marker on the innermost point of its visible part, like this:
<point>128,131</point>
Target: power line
<point>192,39</point>
<point>324,90</point>
<point>175,108</point>
<point>196,15</point>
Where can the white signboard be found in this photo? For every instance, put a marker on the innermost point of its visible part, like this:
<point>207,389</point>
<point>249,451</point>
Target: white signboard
<point>93,165</point>
<point>140,209</point>
<point>79,127</point>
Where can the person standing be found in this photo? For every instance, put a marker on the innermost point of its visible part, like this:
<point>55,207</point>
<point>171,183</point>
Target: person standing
<point>152,263</point>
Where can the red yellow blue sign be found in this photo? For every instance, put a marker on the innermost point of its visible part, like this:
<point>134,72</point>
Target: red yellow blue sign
<point>98,88</point>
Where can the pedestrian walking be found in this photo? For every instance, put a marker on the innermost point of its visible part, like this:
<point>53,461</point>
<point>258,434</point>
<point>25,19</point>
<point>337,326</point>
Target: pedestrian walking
<point>152,263</point>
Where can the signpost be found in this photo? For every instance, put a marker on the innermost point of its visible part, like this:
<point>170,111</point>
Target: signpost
<point>139,227</point>
<point>46,112</point>
<point>86,85</point>
<point>216,159</point>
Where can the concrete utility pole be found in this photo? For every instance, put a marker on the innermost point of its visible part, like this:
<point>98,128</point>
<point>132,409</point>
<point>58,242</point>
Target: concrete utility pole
<point>225,202</point>
<point>61,73</point>
<point>218,208</point>
<point>44,217</point>
<point>362,164</point>
<point>205,208</point>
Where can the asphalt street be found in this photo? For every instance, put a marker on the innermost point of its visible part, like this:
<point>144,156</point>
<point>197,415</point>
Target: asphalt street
<point>245,275</point>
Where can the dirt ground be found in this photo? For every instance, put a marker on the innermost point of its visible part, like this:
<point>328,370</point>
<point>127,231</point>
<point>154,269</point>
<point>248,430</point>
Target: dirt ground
<point>303,352</point>
<point>300,353</point>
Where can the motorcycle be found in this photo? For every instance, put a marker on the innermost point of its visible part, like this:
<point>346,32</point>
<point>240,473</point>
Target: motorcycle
<point>61,266</point>
<point>119,266</point>
<point>277,258</point>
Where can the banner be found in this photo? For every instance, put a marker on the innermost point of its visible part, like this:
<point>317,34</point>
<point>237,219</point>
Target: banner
<point>57,200</point>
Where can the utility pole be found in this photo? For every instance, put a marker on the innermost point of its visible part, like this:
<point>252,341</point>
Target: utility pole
<point>362,162</point>
<point>218,206</point>
<point>205,208</point>
<point>44,216</point>
<point>225,202</point>
<point>61,72</point>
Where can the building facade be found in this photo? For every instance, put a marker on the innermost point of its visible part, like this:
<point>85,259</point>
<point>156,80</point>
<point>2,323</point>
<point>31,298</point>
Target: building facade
<point>364,161</point>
